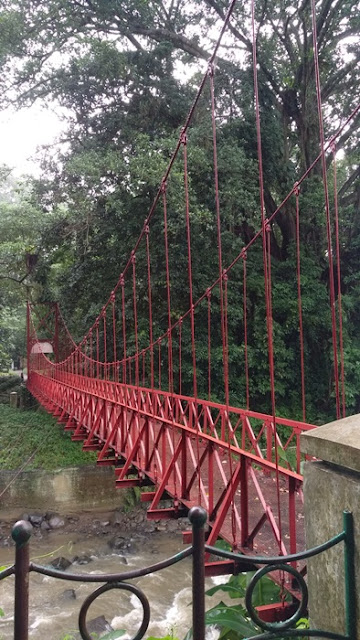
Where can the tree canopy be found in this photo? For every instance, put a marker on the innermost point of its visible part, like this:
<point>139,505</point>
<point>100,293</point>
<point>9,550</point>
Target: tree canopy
<point>125,73</point>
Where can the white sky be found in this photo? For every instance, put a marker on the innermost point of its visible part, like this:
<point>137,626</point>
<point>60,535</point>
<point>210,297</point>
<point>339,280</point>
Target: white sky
<point>21,132</point>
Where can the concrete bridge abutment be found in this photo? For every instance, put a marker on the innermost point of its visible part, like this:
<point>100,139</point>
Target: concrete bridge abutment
<point>331,485</point>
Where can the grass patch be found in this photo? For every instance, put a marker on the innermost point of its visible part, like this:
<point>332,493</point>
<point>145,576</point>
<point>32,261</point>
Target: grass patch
<point>24,431</point>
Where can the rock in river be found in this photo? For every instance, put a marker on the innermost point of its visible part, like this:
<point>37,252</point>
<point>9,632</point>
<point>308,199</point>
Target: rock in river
<point>60,563</point>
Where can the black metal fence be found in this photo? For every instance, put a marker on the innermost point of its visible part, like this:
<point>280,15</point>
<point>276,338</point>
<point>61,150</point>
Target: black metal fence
<point>267,630</point>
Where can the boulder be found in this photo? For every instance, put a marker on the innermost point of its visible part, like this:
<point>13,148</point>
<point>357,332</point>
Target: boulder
<point>118,543</point>
<point>172,526</point>
<point>35,520</point>
<point>99,625</point>
<point>116,518</point>
<point>149,528</point>
<point>139,518</point>
<point>68,594</point>
<point>83,559</point>
<point>60,563</point>
<point>56,522</point>
<point>73,519</point>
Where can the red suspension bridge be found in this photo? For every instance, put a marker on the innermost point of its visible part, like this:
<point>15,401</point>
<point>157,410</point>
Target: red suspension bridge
<point>127,401</point>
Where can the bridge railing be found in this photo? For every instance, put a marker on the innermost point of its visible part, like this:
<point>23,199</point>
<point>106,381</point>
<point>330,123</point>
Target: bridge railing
<point>267,622</point>
<point>248,430</point>
<point>189,450</point>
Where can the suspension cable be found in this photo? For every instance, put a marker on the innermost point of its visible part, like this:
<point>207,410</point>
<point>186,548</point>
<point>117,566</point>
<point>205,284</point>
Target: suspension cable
<point>300,313</point>
<point>245,333</point>
<point>218,230</point>
<point>327,209</point>
<point>266,231</point>
<point>150,307</point>
<point>339,296</point>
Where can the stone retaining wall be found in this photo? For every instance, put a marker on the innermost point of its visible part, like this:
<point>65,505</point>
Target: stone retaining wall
<point>62,490</point>
<point>331,485</point>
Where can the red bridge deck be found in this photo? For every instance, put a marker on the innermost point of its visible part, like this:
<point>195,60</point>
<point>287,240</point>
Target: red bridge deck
<point>193,452</point>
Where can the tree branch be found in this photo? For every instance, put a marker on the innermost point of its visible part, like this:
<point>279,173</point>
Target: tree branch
<point>337,77</point>
<point>248,45</point>
<point>160,34</point>
<point>284,40</point>
<point>349,182</point>
<point>321,20</point>
<point>13,279</point>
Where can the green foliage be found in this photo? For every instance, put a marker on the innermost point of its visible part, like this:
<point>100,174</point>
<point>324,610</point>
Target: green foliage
<point>303,623</point>
<point>223,544</point>
<point>12,383</point>
<point>234,621</point>
<point>265,592</point>
<point>8,382</point>
<point>37,431</point>
<point>20,223</point>
<point>111,635</point>
<point>118,79</point>
<point>171,637</point>
<point>130,498</point>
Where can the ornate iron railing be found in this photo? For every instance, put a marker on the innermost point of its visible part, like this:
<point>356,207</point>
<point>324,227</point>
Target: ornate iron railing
<point>21,534</point>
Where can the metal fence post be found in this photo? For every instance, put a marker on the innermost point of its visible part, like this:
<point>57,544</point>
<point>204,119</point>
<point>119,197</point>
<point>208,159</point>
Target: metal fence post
<point>197,517</point>
<point>350,587</point>
<point>21,533</point>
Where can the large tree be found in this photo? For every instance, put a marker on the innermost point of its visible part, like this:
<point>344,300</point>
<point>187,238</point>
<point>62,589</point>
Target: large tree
<point>20,240</point>
<point>118,58</point>
<point>121,71</point>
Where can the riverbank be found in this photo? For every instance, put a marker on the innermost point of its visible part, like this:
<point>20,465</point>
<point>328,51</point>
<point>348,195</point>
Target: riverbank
<point>34,438</point>
<point>60,487</point>
<point>44,475</point>
<point>115,527</point>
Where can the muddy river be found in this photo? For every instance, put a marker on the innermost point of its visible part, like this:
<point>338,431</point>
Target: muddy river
<point>54,609</point>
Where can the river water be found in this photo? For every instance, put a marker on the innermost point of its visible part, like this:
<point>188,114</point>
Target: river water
<point>53,615</point>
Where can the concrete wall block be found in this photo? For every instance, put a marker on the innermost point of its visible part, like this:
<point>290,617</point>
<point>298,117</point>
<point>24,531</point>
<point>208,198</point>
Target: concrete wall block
<point>63,490</point>
<point>328,490</point>
<point>331,485</point>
